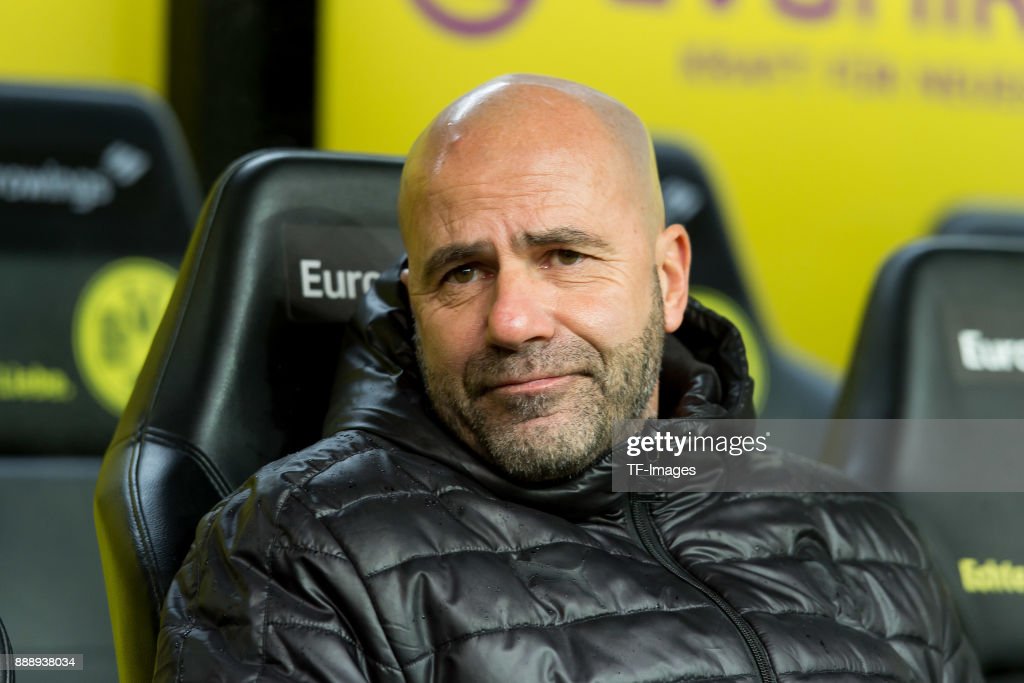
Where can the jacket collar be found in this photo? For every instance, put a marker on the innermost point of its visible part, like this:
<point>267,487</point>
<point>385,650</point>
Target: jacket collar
<point>378,389</point>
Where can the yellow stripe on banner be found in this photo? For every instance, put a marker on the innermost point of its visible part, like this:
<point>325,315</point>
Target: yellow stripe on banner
<point>838,129</point>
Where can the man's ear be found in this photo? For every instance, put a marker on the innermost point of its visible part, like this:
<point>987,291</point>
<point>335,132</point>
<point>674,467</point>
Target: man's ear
<point>672,254</point>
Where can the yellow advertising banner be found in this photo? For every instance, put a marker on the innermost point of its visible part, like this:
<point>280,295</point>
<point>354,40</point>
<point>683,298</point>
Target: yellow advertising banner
<point>835,130</point>
<point>84,41</point>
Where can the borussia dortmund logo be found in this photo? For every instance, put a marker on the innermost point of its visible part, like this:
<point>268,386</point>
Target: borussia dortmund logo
<point>116,317</point>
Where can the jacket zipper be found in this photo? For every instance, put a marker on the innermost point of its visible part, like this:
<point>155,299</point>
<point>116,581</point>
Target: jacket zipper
<point>643,523</point>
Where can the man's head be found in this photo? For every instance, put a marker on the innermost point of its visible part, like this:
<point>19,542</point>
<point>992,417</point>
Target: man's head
<point>540,273</point>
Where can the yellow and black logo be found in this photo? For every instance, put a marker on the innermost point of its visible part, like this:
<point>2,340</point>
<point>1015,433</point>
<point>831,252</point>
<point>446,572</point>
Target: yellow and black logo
<point>115,319</point>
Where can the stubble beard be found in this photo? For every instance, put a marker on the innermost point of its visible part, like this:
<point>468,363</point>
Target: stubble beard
<point>607,389</point>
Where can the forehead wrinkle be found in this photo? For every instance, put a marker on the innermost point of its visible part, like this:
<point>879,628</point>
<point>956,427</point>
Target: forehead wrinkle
<point>563,234</point>
<point>498,201</point>
<point>436,189</point>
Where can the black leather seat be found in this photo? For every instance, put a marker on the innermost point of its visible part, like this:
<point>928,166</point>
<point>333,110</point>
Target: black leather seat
<point>786,387</point>
<point>920,357</point>
<point>241,368</point>
<point>97,198</point>
<point>87,177</point>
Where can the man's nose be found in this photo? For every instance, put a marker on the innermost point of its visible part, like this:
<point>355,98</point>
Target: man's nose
<point>521,310</point>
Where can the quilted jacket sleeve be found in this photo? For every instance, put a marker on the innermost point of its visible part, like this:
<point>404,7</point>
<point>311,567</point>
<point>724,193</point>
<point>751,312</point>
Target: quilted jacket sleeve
<point>961,662</point>
<point>257,599</point>
<point>950,656</point>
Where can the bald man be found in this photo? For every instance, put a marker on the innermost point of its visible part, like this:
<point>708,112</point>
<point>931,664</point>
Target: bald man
<point>459,523</point>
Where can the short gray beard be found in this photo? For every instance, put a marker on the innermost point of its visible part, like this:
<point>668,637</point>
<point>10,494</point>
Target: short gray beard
<point>618,386</point>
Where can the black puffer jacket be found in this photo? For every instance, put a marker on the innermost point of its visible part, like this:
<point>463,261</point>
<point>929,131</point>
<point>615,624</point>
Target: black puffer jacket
<point>387,552</point>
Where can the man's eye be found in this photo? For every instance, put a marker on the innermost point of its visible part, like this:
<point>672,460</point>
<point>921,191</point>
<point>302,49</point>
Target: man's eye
<point>568,257</point>
<point>461,275</point>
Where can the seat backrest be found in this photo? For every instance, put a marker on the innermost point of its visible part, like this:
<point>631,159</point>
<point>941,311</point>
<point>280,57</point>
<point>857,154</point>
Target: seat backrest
<point>97,199</point>
<point>933,346</point>
<point>933,302</point>
<point>785,387</point>
<point>241,368</point>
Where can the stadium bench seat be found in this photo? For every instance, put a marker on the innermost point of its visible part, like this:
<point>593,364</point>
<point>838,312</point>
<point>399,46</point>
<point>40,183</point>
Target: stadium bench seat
<point>929,364</point>
<point>97,197</point>
<point>242,365</point>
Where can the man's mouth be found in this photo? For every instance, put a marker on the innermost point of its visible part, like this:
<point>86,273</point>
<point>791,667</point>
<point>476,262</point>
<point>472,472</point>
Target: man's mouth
<point>531,384</point>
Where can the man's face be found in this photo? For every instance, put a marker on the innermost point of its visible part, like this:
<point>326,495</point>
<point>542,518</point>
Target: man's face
<point>537,305</point>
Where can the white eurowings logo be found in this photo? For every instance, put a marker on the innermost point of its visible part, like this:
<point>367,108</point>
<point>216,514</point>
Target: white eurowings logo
<point>319,283</point>
<point>981,354</point>
<point>83,189</point>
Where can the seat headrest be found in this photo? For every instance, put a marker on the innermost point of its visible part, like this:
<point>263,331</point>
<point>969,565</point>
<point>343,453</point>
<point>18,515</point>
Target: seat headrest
<point>97,171</point>
<point>983,221</point>
<point>241,367</point>
<point>943,334</point>
<point>691,199</point>
<point>97,199</point>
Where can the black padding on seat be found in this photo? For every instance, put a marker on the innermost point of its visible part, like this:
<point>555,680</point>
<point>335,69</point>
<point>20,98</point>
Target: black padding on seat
<point>92,170</point>
<point>86,177</point>
<point>909,363</point>
<point>983,221</point>
<point>927,350</point>
<point>242,366</point>
<point>795,389</point>
<point>691,200</point>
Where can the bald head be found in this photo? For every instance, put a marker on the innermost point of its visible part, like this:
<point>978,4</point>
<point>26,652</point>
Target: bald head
<point>519,118</point>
